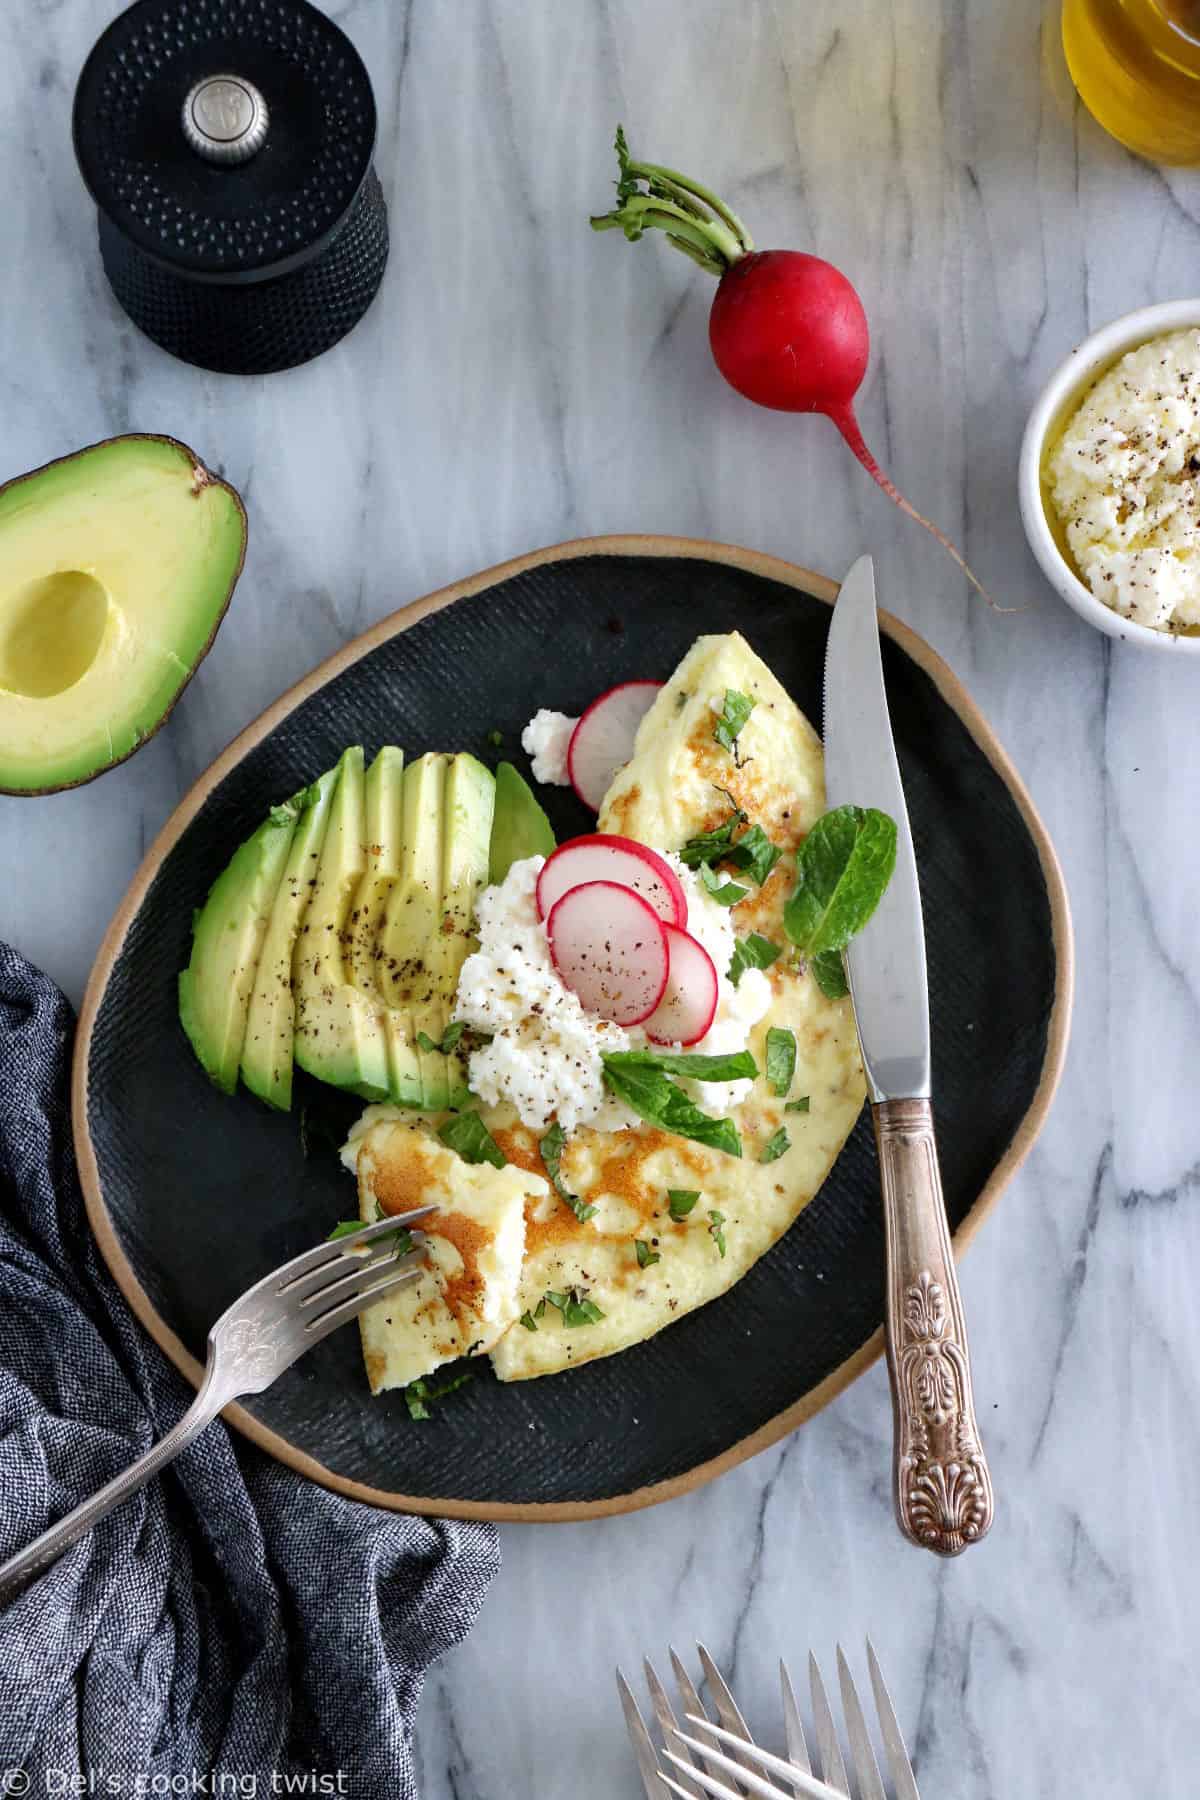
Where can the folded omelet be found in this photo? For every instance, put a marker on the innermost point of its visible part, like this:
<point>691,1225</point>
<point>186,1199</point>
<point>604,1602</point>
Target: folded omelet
<point>678,784</point>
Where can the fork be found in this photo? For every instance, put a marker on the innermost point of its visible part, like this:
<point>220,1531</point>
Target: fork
<point>249,1347</point>
<point>719,1757</point>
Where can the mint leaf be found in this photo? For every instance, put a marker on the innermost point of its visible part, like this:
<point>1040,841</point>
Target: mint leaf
<point>347,1228</point>
<point>681,1201</point>
<point>797,1106</point>
<point>715,1222</point>
<point>725,893</point>
<point>419,1395</point>
<point>448,1039</point>
<point>467,1134</point>
<point>755,853</point>
<point>344,1228</point>
<point>654,1097</point>
<point>528,1321</point>
<point>552,1147</point>
<point>736,711</point>
<point>645,1255</point>
<point>781,1059</point>
<point>777,1145</point>
<point>753,952</point>
<point>575,1307</point>
<point>842,870</point>
<point>829,973</point>
<point>732,1065</point>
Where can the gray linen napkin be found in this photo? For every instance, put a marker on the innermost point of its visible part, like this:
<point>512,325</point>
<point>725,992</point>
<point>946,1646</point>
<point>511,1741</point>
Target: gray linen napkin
<point>233,1629</point>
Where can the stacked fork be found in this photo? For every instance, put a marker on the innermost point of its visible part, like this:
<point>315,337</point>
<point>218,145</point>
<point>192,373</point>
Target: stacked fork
<point>719,1757</point>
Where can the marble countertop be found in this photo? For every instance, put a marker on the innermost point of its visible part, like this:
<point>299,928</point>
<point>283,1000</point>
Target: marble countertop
<point>520,381</point>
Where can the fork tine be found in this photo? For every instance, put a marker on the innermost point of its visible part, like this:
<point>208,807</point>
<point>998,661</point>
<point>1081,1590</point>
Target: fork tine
<point>870,1782</point>
<point>350,1309</point>
<point>639,1737</point>
<point>333,1249</point>
<point>313,1304</point>
<point>727,1707</point>
<point>829,1751</point>
<point>797,1749</point>
<point>663,1711</point>
<point>710,1787</point>
<point>692,1704</point>
<point>903,1779</point>
<point>804,1783</point>
<point>718,1789</point>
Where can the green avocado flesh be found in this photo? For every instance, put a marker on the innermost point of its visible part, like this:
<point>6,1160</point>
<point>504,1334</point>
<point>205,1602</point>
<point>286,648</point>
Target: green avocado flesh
<point>116,566</point>
<point>352,959</point>
<point>227,940</point>
<point>519,828</point>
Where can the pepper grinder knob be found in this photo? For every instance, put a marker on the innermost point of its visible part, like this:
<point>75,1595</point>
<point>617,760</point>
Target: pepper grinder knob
<point>225,119</point>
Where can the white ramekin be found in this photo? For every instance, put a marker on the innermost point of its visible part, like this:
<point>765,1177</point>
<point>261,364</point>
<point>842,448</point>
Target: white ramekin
<point>1064,390</point>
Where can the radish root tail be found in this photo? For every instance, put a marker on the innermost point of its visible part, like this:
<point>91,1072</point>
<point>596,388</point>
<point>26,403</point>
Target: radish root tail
<point>848,425</point>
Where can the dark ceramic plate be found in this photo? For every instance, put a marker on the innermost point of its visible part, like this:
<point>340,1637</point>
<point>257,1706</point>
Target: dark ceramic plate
<point>194,1196</point>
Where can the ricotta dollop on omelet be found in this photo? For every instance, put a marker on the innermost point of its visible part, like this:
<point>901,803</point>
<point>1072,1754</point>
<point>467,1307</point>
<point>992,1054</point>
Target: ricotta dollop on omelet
<point>679,783</point>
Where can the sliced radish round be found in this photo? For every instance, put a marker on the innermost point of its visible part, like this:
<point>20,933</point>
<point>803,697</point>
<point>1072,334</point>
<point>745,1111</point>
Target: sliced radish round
<point>689,1004</point>
<point>610,948</point>
<point>603,856</point>
<point>603,739</point>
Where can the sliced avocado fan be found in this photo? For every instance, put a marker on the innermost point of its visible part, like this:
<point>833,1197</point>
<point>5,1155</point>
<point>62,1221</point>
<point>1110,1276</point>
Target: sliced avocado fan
<point>337,943</point>
<point>227,938</point>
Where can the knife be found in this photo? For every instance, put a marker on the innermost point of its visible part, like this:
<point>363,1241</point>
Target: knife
<point>941,1485</point>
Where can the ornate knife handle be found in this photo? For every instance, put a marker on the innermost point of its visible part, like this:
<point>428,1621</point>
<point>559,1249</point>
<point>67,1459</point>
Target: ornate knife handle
<point>943,1490</point>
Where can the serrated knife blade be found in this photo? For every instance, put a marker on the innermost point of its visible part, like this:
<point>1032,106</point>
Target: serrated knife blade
<point>886,962</point>
<point>941,1485</point>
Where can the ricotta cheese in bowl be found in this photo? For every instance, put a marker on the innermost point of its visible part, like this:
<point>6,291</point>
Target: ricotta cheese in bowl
<point>1124,482</point>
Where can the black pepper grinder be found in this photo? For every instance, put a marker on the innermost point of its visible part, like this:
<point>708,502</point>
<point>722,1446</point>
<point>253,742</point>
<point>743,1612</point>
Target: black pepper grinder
<point>227,145</point>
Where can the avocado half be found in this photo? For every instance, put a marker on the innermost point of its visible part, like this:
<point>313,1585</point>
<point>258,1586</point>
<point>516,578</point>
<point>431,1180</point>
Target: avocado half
<point>116,566</point>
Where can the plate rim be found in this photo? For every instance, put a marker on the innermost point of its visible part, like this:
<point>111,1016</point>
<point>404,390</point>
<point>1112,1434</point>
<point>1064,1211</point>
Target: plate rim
<point>755,562</point>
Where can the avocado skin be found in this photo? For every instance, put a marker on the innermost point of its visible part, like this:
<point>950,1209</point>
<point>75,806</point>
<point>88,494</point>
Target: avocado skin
<point>227,937</point>
<point>202,478</point>
<point>519,828</point>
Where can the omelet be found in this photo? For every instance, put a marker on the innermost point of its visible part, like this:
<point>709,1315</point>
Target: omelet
<point>466,1296</point>
<point>582,1289</point>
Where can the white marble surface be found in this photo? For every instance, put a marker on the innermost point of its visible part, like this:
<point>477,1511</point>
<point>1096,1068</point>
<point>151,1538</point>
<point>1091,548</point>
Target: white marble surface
<point>521,381</point>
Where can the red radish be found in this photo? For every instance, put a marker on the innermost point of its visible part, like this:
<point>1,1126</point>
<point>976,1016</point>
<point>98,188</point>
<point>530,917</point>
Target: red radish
<point>688,1007</point>
<point>786,329</point>
<point>602,742</point>
<point>605,857</point>
<point>610,947</point>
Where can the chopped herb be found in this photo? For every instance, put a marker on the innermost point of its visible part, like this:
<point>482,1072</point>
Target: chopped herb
<point>575,1307</point>
<point>467,1134</point>
<point>552,1147</point>
<point>528,1321</point>
<point>781,1059</point>
<point>449,1038</point>
<point>753,952</point>
<point>777,1145</point>
<point>681,1201</point>
<point>716,1221</point>
<point>712,846</point>
<point>654,1097</point>
<point>735,712</point>
<point>495,739</point>
<point>842,871</point>
<point>419,1395</point>
<point>645,1255</point>
<point>733,1065</point>
<point>347,1228</point>
<point>755,854</point>
<point>725,893</point>
<point>798,1106</point>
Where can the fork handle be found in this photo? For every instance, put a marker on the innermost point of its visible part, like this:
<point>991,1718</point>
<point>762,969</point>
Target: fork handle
<point>943,1491</point>
<point>21,1568</point>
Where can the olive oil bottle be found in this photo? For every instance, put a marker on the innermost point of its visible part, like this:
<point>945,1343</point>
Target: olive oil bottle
<point>1136,64</point>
